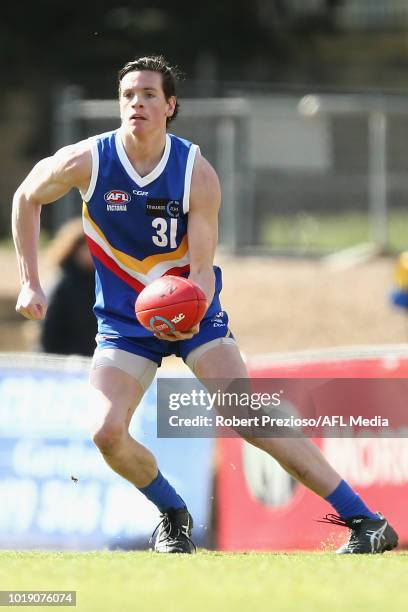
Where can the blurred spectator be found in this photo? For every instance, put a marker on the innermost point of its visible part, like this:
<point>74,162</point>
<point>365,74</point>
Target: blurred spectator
<point>399,296</point>
<point>70,325</point>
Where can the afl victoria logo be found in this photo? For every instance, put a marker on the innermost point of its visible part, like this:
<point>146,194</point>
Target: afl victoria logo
<point>116,196</point>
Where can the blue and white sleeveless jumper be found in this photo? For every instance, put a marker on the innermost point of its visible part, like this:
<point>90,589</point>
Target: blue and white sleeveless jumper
<point>136,229</point>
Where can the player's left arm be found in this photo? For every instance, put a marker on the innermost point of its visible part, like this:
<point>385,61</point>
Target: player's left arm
<point>205,198</point>
<point>202,233</point>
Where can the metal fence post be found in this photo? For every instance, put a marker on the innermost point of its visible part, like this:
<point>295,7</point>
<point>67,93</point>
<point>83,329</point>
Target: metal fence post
<point>225,137</point>
<point>66,131</point>
<point>377,164</point>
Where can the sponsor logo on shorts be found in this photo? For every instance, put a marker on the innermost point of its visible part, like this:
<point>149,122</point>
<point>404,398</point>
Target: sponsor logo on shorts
<point>217,320</point>
<point>160,207</point>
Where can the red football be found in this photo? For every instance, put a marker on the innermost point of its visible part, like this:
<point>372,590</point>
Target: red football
<point>170,303</point>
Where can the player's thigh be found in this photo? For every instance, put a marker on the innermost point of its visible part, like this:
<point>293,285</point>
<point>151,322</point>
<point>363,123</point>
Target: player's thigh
<point>218,361</point>
<point>222,369</point>
<point>118,382</point>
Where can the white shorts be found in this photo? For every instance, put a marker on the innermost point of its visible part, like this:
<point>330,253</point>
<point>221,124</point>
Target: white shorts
<point>143,369</point>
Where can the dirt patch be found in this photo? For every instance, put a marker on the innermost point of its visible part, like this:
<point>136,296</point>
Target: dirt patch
<point>274,304</point>
<point>281,304</point>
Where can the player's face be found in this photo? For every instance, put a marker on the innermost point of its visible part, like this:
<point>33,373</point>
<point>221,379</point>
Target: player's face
<point>143,106</point>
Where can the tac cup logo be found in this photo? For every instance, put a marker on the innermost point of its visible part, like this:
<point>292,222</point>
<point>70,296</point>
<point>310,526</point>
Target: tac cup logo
<point>173,208</point>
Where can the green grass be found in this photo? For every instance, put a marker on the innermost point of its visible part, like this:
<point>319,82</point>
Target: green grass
<point>214,582</point>
<point>327,233</point>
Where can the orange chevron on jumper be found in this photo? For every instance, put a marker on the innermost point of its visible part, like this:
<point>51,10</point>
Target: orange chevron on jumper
<point>142,271</point>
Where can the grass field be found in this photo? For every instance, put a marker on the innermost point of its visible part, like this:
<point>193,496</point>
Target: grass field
<point>211,581</point>
<point>326,233</point>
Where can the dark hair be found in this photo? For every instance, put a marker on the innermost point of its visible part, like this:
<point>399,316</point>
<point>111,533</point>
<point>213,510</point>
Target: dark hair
<point>156,63</point>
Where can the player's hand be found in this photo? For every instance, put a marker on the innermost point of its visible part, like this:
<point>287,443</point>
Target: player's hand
<point>31,303</point>
<point>177,335</point>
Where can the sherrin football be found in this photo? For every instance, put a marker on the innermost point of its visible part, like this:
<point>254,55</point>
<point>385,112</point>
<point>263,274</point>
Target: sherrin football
<point>170,303</point>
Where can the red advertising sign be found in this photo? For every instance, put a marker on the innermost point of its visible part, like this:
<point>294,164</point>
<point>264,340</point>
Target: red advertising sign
<point>260,507</point>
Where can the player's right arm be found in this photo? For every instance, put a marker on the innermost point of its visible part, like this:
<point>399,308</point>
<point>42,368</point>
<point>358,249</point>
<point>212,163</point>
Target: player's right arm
<point>48,181</point>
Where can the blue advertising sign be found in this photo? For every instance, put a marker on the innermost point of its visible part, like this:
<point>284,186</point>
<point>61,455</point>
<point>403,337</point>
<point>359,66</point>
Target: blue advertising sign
<point>56,490</point>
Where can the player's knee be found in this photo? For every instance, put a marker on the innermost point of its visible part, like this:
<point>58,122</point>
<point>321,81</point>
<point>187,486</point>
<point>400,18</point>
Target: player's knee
<point>109,435</point>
